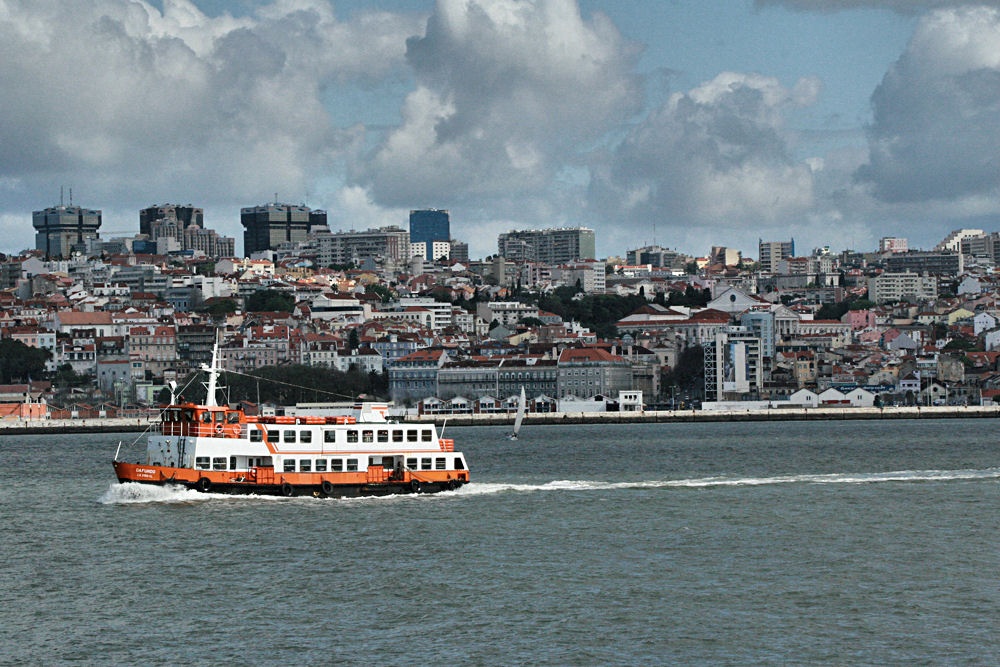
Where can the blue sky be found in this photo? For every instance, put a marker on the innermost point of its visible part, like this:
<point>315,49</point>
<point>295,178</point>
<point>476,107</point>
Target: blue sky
<point>834,122</point>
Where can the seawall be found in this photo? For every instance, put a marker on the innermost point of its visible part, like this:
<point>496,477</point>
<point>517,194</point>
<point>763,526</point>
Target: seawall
<point>671,416</point>
<point>133,425</point>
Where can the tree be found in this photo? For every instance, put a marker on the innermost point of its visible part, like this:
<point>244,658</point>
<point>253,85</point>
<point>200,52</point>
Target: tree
<point>381,291</point>
<point>353,339</point>
<point>219,307</point>
<point>21,362</point>
<point>268,300</point>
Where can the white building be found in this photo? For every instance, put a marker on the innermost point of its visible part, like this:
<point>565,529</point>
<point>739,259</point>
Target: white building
<point>905,286</point>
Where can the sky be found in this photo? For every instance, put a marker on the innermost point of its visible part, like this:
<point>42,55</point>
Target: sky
<point>687,124</point>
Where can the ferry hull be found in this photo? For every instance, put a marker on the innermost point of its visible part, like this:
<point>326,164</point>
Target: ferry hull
<point>276,484</point>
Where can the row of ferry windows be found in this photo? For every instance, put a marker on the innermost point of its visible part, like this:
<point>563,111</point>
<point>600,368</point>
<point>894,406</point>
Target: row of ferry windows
<point>351,465</point>
<point>333,465</point>
<point>353,435</point>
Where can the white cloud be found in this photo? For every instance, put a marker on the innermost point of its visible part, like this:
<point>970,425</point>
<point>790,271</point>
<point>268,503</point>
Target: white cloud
<point>131,106</point>
<point>714,156</point>
<point>901,6</point>
<point>508,92</point>
<point>936,127</point>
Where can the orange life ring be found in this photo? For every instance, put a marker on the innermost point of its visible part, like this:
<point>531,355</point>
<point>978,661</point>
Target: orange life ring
<point>218,428</point>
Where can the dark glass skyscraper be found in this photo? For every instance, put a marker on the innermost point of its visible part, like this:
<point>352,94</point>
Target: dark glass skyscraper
<point>428,226</point>
<point>269,225</point>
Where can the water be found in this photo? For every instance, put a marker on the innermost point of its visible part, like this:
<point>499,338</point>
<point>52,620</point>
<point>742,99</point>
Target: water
<point>802,543</point>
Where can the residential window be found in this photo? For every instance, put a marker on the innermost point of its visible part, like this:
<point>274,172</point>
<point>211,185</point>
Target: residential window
<point>289,465</point>
<point>352,465</point>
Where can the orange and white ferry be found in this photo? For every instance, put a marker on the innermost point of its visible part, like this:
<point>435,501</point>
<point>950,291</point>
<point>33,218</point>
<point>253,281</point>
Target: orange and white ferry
<point>214,448</point>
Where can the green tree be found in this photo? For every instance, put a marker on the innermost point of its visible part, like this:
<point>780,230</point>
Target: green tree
<point>21,362</point>
<point>219,307</point>
<point>381,291</point>
<point>268,300</point>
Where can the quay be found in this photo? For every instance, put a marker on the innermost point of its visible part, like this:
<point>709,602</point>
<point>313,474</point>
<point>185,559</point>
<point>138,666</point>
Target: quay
<point>136,425</point>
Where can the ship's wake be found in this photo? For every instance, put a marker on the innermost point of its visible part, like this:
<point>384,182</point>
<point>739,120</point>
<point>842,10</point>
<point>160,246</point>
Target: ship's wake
<point>132,493</point>
<point>480,488</point>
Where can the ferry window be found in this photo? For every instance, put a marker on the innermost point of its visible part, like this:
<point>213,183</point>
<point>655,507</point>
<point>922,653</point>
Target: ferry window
<point>232,463</point>
<point>219,417</point>
<point>439,464</point>
<point>425,464</point>
<point>411,464</point>
<point>352,465</point>
<point>233,418</point>
<point>272,435</point>
<point>306,436</point>
<point>387,463</point>
<point>336,465</point>
<point>397,436</point>
<point>289,465</point>
<point>367,436</point>
<point>202,463</point>
<point>188,415</point>
<point>352,436</point>
<point>256,435</point>
<point>459,465</point>
<point>329,436</point>
<point>426,435</point>
<point>320,465</point>
<point>383,436</point>
<point>267,462</point>
<point>206,417</point>
<point>411,435</point>
<point>219,463</point>
<point>305,465</point>
<point>289,436</point>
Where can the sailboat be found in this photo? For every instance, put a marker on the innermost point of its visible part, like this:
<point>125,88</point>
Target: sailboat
<point>519,418</point>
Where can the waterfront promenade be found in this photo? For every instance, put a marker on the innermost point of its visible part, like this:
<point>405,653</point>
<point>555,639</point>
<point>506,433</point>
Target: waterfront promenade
<point>126,425</point>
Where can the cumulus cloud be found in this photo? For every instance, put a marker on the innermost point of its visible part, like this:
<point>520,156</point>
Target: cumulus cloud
<point>507,93</point>
<point>715,155</point>
<point>936,127</point>
<point>132,104</point>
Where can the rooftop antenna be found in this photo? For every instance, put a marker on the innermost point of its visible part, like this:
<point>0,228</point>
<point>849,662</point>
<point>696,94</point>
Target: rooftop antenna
<point>71,196</point>
<point>275,197</point>
<point>61,196</point>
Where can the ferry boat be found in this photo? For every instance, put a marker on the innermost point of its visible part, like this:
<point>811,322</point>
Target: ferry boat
<point>220,449</point>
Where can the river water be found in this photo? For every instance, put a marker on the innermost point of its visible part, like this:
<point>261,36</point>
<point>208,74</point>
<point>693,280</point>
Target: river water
<point>802,543</point>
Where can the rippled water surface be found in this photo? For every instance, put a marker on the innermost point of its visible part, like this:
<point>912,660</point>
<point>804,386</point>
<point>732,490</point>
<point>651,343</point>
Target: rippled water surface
<point>803,543</point>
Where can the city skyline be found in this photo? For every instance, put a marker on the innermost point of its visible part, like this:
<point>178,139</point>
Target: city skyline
<point>680,125</point>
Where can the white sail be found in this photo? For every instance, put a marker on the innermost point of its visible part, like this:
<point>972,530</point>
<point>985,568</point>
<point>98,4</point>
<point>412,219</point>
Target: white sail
<point>520,413</point>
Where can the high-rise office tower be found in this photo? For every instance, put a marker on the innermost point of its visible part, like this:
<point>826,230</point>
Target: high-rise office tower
<point>59,228</point>
<point>184,215</point>
<point>269,225</point>
<point>428,226</point>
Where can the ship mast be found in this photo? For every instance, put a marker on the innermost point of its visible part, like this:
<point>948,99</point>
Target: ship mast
<point>213,376</point>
